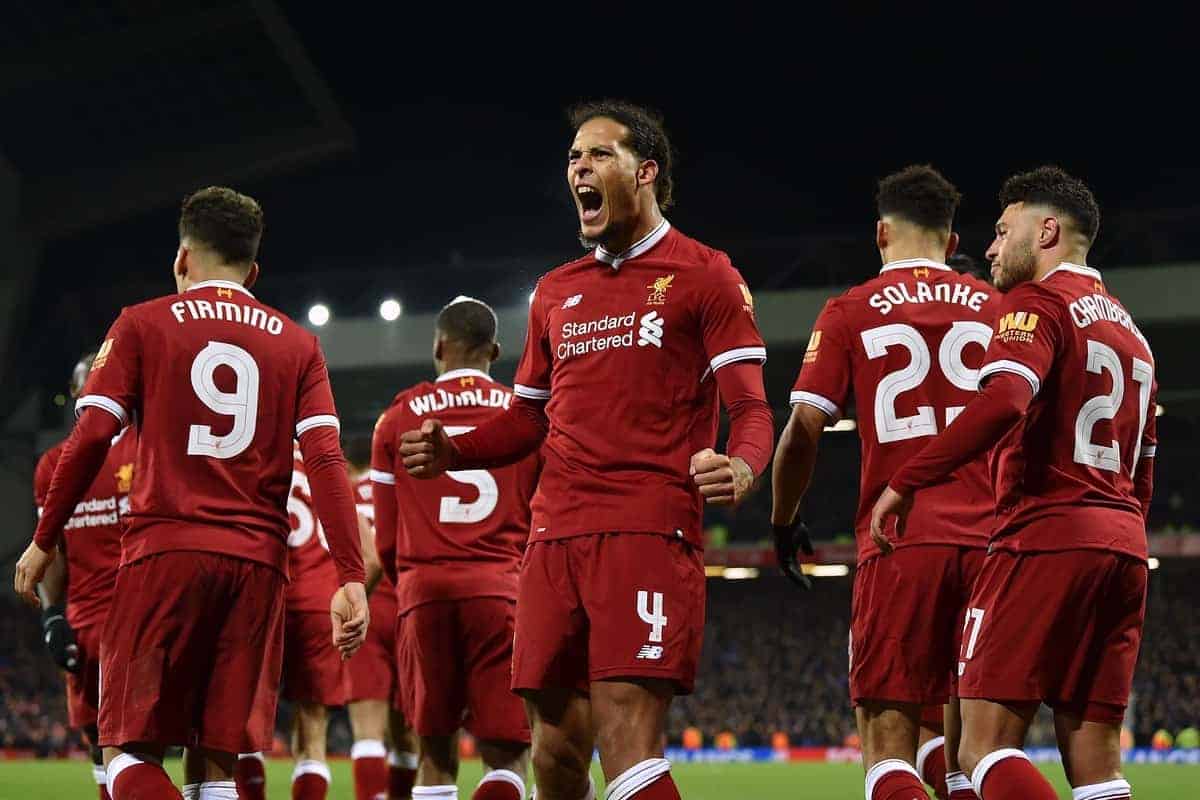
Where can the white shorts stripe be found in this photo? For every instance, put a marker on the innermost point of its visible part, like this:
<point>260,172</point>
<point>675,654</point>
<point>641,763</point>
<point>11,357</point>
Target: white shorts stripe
<point>1014,367</point>
<point>817,401</point>
<point>531,392</point>
<point>379,476</point>
<point>100,401</point>
<point>308,423</point>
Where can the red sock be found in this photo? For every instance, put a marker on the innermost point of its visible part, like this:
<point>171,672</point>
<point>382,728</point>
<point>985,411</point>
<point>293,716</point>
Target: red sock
<point>141,780</point>
<point>250,777</point>
<point>1009,775</point>
<point>663,788</point>
<point>960,787</point>
<point>931,764</point>
<point>104,793</point>
<point>310,780</point>
<point>500,784</point>
<point>893,779</point>
<point>310,787</point>
<point>370,778</point>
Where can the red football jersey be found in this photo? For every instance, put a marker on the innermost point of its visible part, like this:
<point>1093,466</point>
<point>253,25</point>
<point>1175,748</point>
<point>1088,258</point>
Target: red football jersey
<point>1064,474</point>
<point>624,347</point>
<point>908,345</point>
<point>311,569</point>
<point>461,534</point>
<point>218,385</point>
<point>92,538</point>
<point>364,502</point>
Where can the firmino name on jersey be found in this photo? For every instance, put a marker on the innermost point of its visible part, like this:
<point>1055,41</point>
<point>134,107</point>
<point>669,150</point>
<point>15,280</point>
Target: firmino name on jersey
<point>228,312</point>
<point>898,293</point>
<point>440,400</point>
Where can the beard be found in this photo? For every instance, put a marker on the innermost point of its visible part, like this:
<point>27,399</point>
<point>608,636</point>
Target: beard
<point>1018,265</point>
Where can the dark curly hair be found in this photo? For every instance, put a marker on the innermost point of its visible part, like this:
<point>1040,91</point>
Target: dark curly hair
<point>647,137</point>
<point>225,221</point>
<point>919,194</point>
<point>1052,186</point>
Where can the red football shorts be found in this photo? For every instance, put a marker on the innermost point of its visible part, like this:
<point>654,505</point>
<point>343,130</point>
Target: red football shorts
<point>1061,628</point>
<point>373,668</point>
<point>609,605</point>
<point>191,653</point>
<point>906,623</point>
<point>83,688</point>
<point>313,670</point>
<point>455,667</point>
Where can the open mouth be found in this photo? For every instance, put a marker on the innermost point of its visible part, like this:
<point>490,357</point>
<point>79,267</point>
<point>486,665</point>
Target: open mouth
<point>591,202</point>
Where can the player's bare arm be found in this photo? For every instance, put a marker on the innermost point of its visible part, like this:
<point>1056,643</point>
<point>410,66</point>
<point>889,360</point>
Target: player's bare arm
<point>795,460</point>
<point>31,568</point>
<point>366,536</point>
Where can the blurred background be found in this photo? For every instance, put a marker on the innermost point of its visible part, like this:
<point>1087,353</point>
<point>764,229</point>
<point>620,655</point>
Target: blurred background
<point>401,162</point>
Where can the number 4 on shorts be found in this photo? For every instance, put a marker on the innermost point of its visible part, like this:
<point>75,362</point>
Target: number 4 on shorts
<point>655,618</point>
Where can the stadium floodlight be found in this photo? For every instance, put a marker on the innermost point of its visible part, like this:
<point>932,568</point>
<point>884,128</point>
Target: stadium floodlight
<point>1159,410</point>
<point>842,425</point>
<point>740,573</point>
<point>319,314</point>
<point>825,570</point>
<point>1152,562</point>
<point>390,309</point>
<point>531,294</point>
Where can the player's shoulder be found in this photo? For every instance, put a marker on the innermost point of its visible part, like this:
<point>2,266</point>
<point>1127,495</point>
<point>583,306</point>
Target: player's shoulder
<point>1043,293</point>
<point>401,405</point>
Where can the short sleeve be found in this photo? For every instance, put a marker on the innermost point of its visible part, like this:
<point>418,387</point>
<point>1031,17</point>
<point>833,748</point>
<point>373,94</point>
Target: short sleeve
<point>532,380</point>
<point>315,402</point>
<point>114,383</point>
<point>42,475</point>
<point>826,376</point>
<point>383,451</point>
<point>1027,337</point>
<point>727,324</point>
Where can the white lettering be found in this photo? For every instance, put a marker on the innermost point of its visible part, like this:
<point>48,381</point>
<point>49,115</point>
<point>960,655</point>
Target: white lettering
<point>226,311</point>
<point>177,310</point>
<point>206,309</point>
<point>924,293</point>
<point>897,294</point>
<point>878,302</point>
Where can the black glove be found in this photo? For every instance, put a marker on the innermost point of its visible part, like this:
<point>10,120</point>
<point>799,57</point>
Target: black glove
<point>60,639</point>
<point>789,541</point>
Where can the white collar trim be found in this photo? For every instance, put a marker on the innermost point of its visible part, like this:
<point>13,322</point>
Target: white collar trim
<point>913,263</point>
<point>463,373</point>
<point>1067,266</point>
<point>638,248</point>
<point>221,285</point>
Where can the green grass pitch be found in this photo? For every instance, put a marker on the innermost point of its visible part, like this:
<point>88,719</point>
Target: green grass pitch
<point>68,780</point>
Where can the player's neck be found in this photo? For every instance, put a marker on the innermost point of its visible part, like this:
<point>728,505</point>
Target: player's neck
<point>204,275</point>
<point>642,226</point>
<point>911,250</point>
<point>1054,258</point>
<point>477,366</point>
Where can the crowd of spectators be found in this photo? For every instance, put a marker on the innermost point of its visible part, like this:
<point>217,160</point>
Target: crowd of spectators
<point>775,661</point>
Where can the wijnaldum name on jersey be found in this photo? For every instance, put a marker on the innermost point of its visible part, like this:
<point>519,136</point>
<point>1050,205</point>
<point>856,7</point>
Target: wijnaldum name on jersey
<point>440,400</point>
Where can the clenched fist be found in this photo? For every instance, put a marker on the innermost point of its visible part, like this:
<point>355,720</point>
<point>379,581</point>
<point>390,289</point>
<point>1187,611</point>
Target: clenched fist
<point>427,452</point>
<point>723,481</point>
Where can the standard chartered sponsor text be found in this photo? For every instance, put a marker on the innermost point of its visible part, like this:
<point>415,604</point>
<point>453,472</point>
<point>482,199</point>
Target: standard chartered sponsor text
<point>568,348</point>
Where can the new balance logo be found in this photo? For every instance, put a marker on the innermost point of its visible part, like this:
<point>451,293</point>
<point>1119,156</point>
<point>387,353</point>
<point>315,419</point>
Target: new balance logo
<point>572,301</point>
<point>651,330</point>
<point>650,652</point>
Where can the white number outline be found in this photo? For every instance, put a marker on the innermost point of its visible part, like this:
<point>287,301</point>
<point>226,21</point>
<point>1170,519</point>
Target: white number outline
<point>1100,359</point>
<point>652,617</point>
<point>241,404</point>
<point>453,510</point>
<point>888,426</point>
<point>306,518</point>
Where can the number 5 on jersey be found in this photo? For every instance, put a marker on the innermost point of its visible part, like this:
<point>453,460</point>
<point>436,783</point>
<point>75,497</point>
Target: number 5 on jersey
<point>453,509</point>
